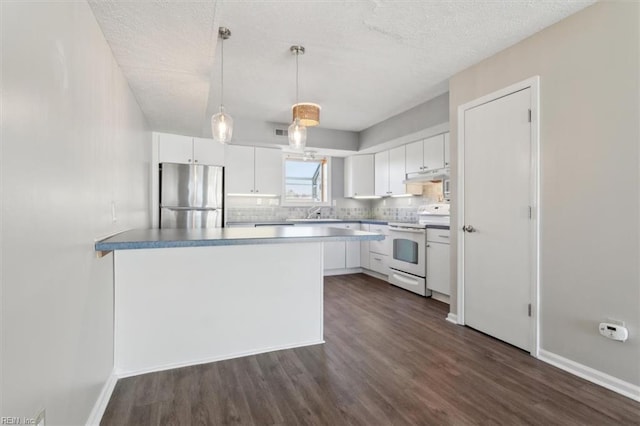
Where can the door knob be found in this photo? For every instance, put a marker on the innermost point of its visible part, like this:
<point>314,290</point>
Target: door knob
<point>468,228</point>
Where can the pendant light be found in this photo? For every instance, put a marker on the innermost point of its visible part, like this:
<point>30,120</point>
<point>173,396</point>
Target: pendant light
<point>297,131</point>
<point>222,123</point>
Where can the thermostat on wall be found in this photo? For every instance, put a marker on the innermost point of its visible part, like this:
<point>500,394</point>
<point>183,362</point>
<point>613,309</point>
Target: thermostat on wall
<point>614,331</point>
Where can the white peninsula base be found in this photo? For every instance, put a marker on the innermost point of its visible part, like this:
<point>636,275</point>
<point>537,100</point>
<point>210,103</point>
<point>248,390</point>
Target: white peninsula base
<point>189,305</point>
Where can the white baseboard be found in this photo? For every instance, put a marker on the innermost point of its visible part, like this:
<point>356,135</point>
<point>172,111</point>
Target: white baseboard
<point>129,373</point>
<point>103,399</point>
<point>332,272</point>
<point>452,318</point>
<point>440,297</point>
<point>598,377</point>
<point>375,274</point>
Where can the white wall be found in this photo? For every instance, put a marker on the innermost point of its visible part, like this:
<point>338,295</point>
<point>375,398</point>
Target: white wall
<point>589,103</point>
<point>73,141</point>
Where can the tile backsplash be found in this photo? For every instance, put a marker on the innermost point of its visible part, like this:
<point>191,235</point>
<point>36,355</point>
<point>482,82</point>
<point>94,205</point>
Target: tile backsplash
<point>250,209</point>
<point>266,209</point>
<point>405,209</point>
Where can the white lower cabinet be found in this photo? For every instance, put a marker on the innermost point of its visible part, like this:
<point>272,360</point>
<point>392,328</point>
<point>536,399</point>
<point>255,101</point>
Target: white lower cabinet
<point>438,278</point>
<point>334,252</point>
<point>352,248</point>
<point>379,263</point>
<point>334,255</point>
<point>364,248</point>
<point>378,254</point>
<point>383,246</point>
<point>340,254</point>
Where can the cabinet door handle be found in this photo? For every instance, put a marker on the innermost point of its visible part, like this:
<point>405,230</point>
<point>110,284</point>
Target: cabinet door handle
<point>195,161</point>
<point>428,245</point>
<point>257,190</point>
<point>189,160</point>
<point>378,259</point>
<point>443,236</point>
<point>252,190</point>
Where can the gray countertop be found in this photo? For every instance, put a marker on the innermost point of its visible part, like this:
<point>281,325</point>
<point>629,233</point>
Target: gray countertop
<point>311,222</point>
<point>321,221</point>
<point>168,238</point>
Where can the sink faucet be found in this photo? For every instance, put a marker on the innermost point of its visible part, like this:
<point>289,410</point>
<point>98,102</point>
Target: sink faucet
<point>315,210</point>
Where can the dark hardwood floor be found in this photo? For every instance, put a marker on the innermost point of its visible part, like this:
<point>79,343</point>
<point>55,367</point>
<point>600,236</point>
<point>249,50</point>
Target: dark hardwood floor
<point>390,358</point>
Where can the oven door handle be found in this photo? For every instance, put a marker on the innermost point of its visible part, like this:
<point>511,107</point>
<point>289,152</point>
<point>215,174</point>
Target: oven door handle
<point>404,278</point>
<point>409,230</point>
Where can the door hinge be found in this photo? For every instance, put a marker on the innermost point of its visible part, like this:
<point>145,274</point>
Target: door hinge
<point>529,309</point>
<point>529,116</point>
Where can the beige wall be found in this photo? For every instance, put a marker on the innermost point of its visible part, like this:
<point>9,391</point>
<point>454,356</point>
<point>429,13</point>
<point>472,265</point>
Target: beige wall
<point>589,137</point>
<point>73,141</point>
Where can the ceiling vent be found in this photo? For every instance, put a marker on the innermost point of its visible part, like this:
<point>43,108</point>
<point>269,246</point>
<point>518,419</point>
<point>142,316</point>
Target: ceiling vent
<point>282,132</point>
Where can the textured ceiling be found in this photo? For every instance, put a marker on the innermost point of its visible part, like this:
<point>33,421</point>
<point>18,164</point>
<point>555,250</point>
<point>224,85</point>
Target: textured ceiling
<point>365,60</point>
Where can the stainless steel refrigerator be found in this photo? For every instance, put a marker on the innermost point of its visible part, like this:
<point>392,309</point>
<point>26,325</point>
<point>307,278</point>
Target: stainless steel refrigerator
<point>191,196</point>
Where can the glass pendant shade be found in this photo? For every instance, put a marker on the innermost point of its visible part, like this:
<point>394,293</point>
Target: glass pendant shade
<point>297,136</point>
<point>222,126</point>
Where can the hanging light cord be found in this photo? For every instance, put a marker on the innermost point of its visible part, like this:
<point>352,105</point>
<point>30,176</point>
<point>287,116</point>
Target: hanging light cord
<point>222,72</point>
<point>297,54</point>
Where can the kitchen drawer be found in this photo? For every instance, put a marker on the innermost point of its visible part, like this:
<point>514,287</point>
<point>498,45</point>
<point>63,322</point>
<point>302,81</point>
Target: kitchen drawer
<point>382,246</point>
<point>438,235</point>
<point>379,263</point>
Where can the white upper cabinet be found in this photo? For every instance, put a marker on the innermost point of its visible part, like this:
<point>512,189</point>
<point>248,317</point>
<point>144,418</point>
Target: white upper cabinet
<point>268,171</point>
<point>447,159</point>
<point>381,160</point>
<point>390,172</point>
<point>253,170</point>
<point>414,157</point>
<point>397,173</point>
<point>175,148</point>
<point>239,172</point>
<point>433,154</point>
<point>428,155</point>
<point>359,175</point>
<point>189,150</point>
<point>208,151</point>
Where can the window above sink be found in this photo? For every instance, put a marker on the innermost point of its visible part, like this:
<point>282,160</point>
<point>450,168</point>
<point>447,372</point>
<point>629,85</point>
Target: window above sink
<point>306,181</point>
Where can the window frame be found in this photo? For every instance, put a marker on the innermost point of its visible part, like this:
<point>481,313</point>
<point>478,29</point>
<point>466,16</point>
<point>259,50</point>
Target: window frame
<point>305,203</point>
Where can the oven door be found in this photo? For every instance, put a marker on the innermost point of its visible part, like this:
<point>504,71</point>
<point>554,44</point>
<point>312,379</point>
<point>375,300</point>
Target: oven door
<point>408,250</point>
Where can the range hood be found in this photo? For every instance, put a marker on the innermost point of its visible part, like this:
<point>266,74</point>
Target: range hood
<point>434,175</point>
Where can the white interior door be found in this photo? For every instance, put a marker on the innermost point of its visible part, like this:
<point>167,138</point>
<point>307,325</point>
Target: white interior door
<point>497,200</point>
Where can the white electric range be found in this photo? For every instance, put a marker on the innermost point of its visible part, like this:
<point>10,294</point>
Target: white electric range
<point>408,261</point>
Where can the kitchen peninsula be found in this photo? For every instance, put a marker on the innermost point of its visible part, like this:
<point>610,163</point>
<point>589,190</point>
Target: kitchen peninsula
<point>190,296</point>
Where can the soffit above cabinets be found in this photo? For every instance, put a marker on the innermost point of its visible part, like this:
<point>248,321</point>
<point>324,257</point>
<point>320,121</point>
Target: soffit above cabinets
<point>365,60</point>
